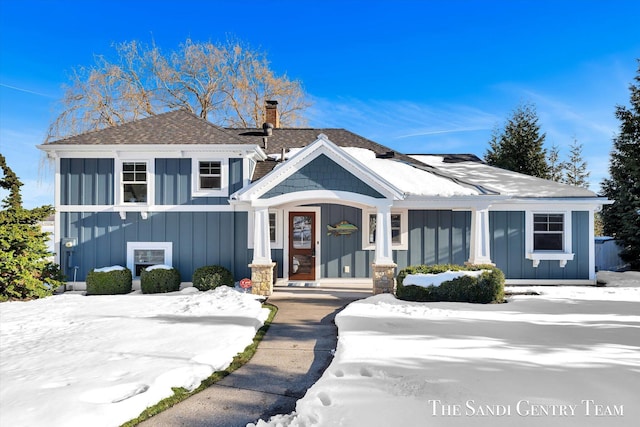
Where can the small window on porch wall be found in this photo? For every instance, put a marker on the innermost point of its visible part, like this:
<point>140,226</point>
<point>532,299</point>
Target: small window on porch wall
<point>141,255</point>
<point>398,230</point>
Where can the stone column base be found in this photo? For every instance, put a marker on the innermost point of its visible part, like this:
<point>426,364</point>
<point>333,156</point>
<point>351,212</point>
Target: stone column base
<point>262,278</point>
<point>384,278</point>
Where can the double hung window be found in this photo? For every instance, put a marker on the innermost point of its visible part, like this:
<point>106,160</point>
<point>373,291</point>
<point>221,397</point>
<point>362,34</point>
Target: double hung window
<point>548,232</point>
<point>134,182</point>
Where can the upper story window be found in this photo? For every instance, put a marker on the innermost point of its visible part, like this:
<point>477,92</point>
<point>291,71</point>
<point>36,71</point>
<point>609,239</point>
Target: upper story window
<point>134,182</point>
<point>548,232</point>
<point>209,177</point>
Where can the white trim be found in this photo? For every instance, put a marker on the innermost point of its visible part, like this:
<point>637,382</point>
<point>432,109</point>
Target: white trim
<point>154,208</point>
<point>403,245</point>
<point>566,254</point>
<point>592,246</point>
<point>318,196</point>
<point>57,226</point>
<point>549,282</point>
<point>132,246</point>
<point>164,151</point>
<point>318,240</point>
<point>196,191</point>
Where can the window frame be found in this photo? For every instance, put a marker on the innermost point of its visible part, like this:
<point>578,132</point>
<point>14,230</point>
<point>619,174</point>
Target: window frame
<point>197,190</point>
<point>134,246</point>
<point>120,182</point>
<point>561,255</point>
<point>402,244</point>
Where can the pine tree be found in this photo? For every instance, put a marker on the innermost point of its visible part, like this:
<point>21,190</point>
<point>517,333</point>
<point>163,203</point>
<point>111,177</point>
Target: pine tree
<point>24,270</point>
<point>622,218</point>
<point>519,146</point>
<point>556,167</point>
<point>576,168</point>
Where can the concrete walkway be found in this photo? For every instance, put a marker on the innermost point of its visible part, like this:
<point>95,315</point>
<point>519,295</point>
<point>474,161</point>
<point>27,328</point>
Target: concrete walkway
<point>291,358</point>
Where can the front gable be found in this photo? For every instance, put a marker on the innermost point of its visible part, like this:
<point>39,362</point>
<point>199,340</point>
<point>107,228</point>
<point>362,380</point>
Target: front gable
<point>322,173</point>
<point>320,167</point>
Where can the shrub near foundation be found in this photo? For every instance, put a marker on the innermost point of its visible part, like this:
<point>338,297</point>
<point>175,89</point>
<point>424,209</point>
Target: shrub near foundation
<point>486,288</point>
<point>114,282</point>
<point>159,280</point>
<point>211,276</point>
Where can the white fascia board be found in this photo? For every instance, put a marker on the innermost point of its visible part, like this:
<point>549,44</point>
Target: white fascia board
<point>520,204</point>
<point>453,202</point>
<point>151,150</point>
<point>320,146</point>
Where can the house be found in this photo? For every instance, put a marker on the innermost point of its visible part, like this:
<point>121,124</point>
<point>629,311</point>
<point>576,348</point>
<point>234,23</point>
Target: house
<point>316,204</point>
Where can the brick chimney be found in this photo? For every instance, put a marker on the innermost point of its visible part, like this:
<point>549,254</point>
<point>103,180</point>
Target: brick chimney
<point>272,115</point>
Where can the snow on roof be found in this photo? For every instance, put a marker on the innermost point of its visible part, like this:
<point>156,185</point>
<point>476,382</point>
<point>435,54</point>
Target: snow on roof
<point>505,182</point>
<point>408,178</point>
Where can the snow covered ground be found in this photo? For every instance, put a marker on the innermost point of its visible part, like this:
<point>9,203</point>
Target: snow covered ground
<point>567,357</point>
<point>71,360</point>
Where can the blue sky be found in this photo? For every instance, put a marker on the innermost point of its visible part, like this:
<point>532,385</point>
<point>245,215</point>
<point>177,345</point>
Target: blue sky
<point>418,76</point>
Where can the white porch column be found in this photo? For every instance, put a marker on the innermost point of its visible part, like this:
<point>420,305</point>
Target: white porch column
<point>383,265</point>
<point>261,241</point>
<point>384,254</point>
<point>479,247</point>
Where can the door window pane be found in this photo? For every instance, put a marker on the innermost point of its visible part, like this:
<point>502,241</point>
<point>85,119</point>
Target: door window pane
<point>301,232</point>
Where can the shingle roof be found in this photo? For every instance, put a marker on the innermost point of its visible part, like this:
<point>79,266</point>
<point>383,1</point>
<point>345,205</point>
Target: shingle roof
<point>174,127</point>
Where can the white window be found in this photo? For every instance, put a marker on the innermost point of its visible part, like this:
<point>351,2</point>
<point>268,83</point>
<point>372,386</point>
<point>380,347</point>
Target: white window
<point>272,227</point>
<point>141,255</point>
<point>548,237</point>
<point>548,232</point>
<point>209,177</point>
<point>398,230</point>
<point>134,182</point>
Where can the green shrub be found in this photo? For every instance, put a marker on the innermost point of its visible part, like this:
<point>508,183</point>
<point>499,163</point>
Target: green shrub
<point>109,282</point>
<point>159,280</point>
<point>486,288</point>
<point>212,276</point>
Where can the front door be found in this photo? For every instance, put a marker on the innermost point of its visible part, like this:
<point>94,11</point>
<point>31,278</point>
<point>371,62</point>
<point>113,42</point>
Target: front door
<point>302,248</point>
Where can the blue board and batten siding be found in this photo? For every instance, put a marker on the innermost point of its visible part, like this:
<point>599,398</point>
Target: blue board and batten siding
<point>86,181</point>
<point>198,239</point>
<point>435,237</point>
<point>207,238</point>
<point>91,182</point>
<point>507,231</point>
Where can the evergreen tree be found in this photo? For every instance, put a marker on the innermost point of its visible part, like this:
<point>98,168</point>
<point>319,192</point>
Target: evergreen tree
<point>622,218</point>
<point>519,146</point>
<point>576,168</point>
<point>24,270</point>
<point>556,167</point>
